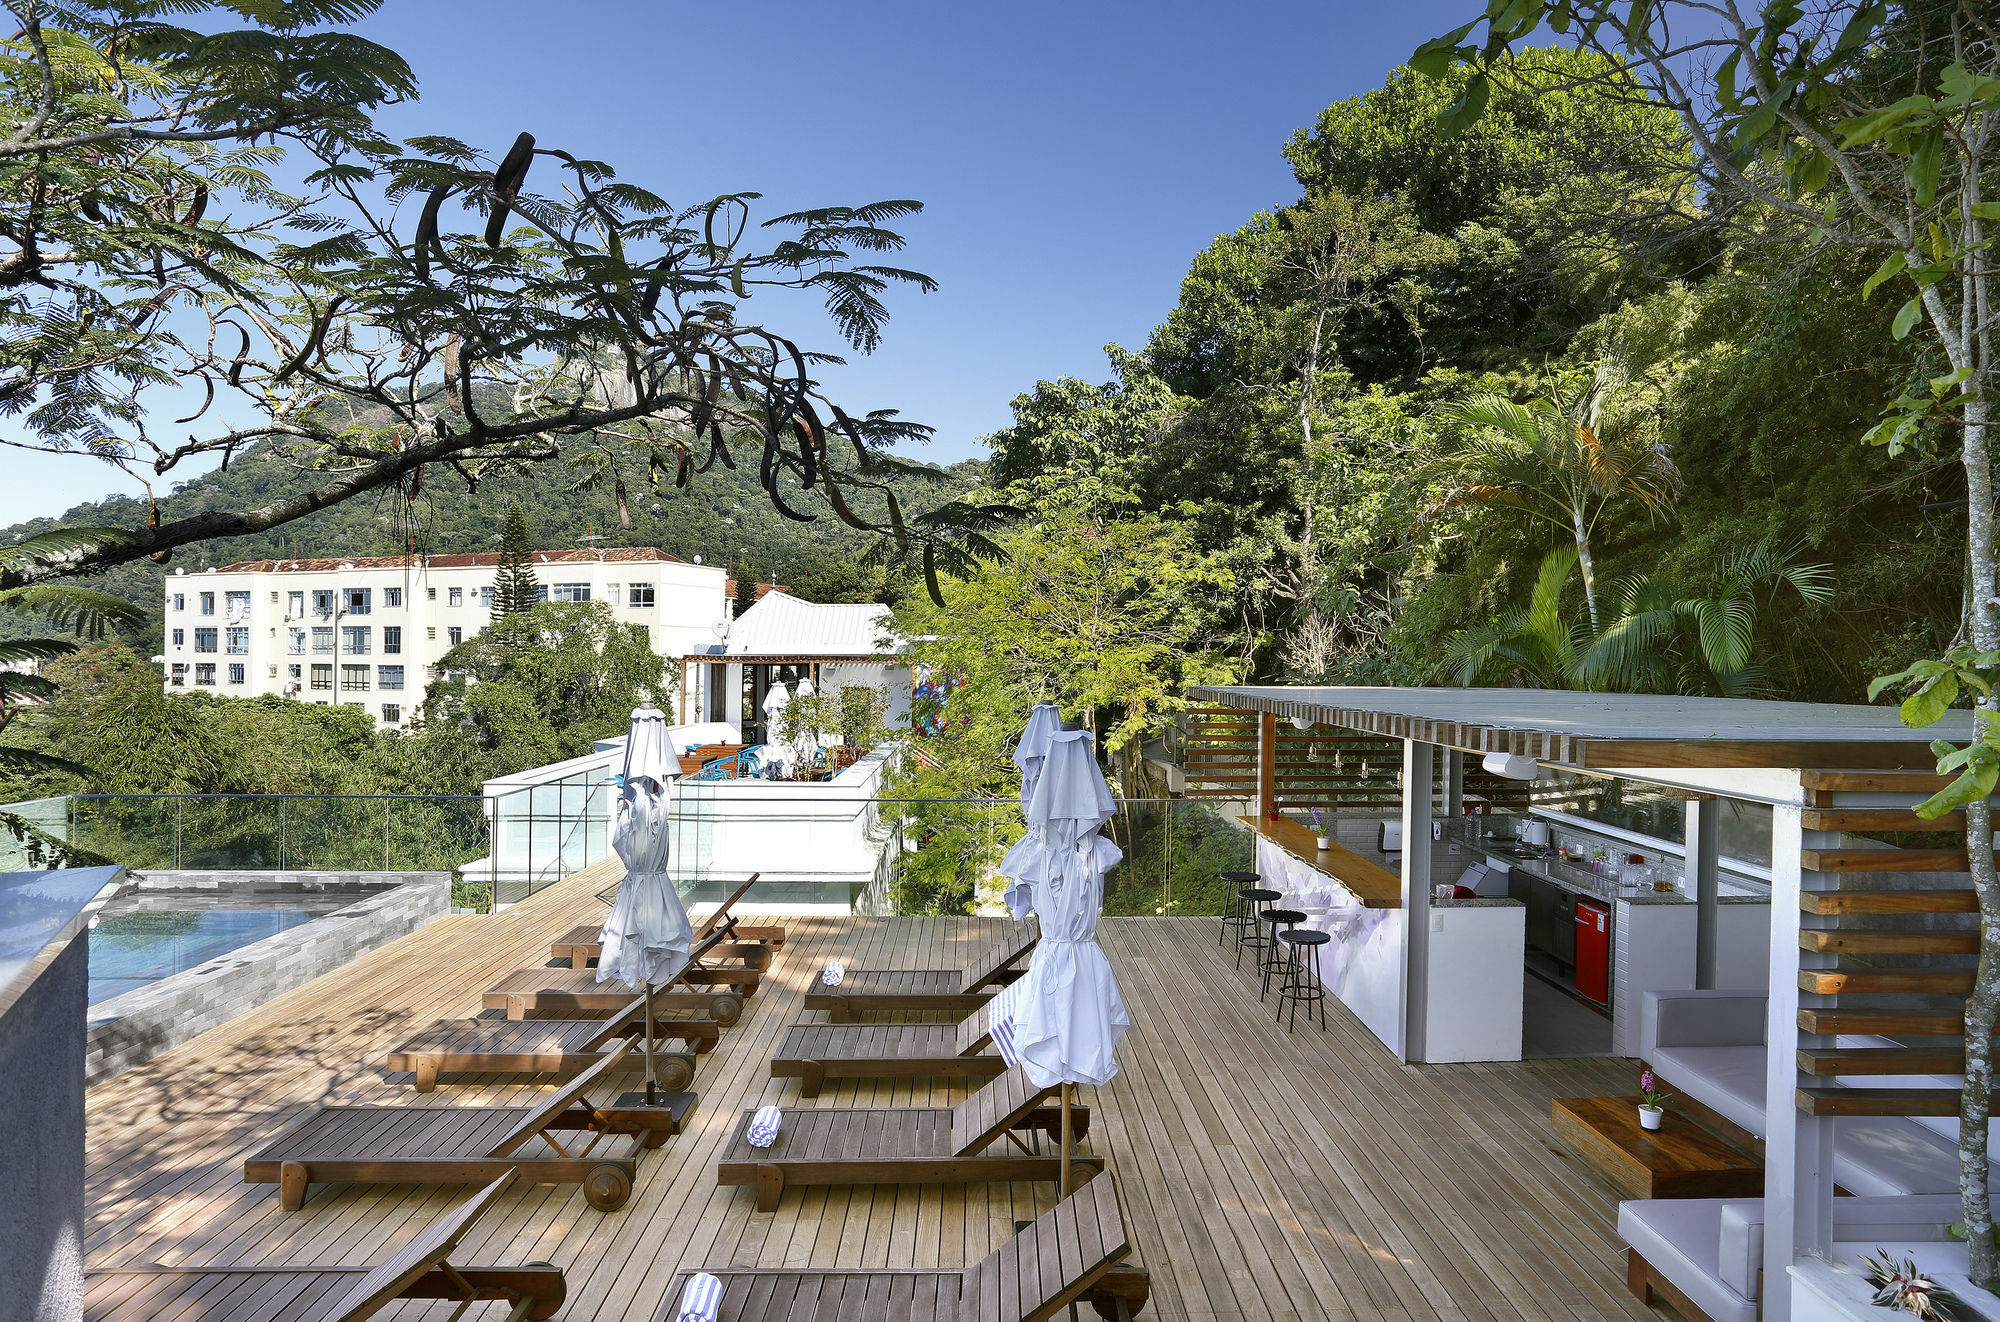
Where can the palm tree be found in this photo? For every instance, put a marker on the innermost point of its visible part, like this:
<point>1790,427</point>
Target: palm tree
<point>1530,646</point>
<point>67,606</point>
<point>1563,458</point>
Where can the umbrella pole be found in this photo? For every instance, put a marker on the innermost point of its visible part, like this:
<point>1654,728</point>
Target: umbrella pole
<point>651,1095</point>
<point>1064,1184</point>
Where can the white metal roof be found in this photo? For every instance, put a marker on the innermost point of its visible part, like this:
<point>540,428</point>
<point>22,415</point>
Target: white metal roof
<point>781,625</point>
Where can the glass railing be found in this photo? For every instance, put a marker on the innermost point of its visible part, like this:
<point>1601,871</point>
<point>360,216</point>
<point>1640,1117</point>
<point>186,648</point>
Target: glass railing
<point>280,832</point>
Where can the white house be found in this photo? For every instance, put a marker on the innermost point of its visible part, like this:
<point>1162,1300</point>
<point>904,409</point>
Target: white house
<point>366,631</point>
<point>782,639</point>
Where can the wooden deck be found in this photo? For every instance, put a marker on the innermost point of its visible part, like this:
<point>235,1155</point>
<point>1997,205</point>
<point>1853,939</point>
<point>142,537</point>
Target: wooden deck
<point>1265,1176</point>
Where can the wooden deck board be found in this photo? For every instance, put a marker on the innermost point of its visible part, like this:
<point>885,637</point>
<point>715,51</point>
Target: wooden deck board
<point>1265,1175</point>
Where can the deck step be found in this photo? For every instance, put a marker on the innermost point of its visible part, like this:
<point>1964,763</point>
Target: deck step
<point>1879,1101</point>
<point>1958,899</point>
<point>1878,819</point>
<point>1886,982</point>
<point>1874,941</point>
<point>1824,1062</point>
<point>1894,1023</point>
<point>1883,860</point>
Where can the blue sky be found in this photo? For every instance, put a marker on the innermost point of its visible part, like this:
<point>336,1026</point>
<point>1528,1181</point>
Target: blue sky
<point>1071,158</point>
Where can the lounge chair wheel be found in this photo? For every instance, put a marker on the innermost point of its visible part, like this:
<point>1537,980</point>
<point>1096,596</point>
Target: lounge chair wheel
<point>548,1305</point>
<point>607,1186</point>
<point>676,1073</point>
<point>759,959</point>
<point>726,1008</point>
<point>292,1184</point>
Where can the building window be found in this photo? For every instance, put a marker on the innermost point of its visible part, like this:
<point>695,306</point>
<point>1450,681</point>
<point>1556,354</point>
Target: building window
<point>570,592</point>
<point>274,598</point>
<point>292,672</point>
<point>322,677</point>
<point>180,674</point>
<point>323,602</point>
<point>354,638</point>
<point>180,637</point>
<point>392,712</point>
<point>391,598</point>
<point>354,679</point>
<point>486,596</point>
<point>392,639</point>
<point>295,606</point>
<point>204,673</point>
<point>645,633</point>
<point>639,596</point>
<point>208,603</point>
<point>238,606</point>
<point>204,640</point>
<point>455,597</point>
<point>430,594</point>
<point>389,677</point>
<point>180,601</point>
<point>357,600</point>
<point>322,640</point>
<point>431,632</point>
<point>238,641</point>
<point>454,635</point>
<point>295,642</point>
<point>236,672</point>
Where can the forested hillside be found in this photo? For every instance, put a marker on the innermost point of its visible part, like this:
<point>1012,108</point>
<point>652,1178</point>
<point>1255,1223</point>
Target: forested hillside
<point>724,517</point>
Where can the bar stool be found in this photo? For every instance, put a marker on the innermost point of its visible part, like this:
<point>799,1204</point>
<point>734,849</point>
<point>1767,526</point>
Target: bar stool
<point>1301,984</point>
<point>1276,955</point>
<point>1235,917</point>
<point>1255,900</point>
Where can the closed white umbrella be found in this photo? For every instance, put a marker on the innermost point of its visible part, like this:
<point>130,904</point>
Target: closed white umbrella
<point>647,934</point>
<point>775,703</point>
<point>807,742</point>
<point>1023,864</point>
<point>1068,1015</point>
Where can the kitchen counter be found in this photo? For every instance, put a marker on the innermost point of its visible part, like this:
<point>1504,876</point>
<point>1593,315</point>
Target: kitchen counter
<point>1375,886</point>
<point>1577,877</point>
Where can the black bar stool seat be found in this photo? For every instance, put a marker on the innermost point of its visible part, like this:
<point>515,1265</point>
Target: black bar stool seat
<point>1255,900</point>
<point>1275,955</point>
<point>1301,984</point>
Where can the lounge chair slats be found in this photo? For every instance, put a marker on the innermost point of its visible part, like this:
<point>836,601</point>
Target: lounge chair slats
<point>975,1031</point>
<point>998,957</point>
<point>994,1109</point>
<point>577,991</point>
<point>558,1101</point>
<point>387,1280</point>
<point>1067,1255</point>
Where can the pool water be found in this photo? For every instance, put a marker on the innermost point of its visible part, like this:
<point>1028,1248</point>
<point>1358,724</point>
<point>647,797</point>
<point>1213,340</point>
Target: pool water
<point>142,938</point>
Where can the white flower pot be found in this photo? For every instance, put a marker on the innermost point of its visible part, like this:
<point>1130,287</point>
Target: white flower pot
<point>1323,842</point>
<point>1650,1117</point>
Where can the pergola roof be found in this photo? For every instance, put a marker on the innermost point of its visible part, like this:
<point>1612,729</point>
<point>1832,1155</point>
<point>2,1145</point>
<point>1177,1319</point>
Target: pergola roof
<point>1601,730</point>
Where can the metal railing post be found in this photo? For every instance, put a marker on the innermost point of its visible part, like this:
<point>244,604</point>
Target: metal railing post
<point>177,832</point>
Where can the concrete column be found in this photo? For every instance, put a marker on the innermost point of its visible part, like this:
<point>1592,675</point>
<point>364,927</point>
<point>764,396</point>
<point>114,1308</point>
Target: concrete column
<point>1703,880</point>
<point>1454,783</point>
<point>1798,1148</point>
<point>1419,769</point>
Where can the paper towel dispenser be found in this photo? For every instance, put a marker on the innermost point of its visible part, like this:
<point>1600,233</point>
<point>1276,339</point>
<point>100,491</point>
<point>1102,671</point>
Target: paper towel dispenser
<point>1391,839</point>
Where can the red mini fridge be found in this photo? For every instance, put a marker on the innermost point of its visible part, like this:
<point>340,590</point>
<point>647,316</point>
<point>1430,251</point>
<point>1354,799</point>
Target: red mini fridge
<point>1593,951</point>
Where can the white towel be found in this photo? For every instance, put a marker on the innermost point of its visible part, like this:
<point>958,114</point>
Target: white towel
<point>1005,1006</point>
<point>763,1129</point>
<point>835,971</point>
<point>701,1299</point>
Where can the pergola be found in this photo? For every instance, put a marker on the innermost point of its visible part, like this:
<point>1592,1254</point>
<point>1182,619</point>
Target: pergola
<point>1825,769</point>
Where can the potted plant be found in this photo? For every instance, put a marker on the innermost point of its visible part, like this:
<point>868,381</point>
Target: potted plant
<point>862,708</point>
<point>1650,1111</point>
<point>1323,840</point>
<point>1901,1287</point>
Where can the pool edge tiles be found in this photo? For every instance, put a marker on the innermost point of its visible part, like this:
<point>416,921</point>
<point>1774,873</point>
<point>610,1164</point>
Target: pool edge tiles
<point>131,1028</point>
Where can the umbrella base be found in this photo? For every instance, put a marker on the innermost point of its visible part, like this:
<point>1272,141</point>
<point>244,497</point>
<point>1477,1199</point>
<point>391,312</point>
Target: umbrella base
<point>659,1121</point>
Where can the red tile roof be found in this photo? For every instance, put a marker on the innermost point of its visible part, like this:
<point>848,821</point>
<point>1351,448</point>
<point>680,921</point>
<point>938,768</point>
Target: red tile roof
<point>476,559</point>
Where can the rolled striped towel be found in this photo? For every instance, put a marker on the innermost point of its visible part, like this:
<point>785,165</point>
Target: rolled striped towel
<point>701,1299</point>
<point>763,1129</point>
<point>835,971</point>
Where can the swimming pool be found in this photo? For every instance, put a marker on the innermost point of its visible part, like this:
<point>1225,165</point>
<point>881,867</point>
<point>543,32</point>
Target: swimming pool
<point>141,938</point>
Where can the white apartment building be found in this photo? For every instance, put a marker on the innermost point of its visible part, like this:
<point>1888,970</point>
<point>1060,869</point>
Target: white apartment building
<point>368,631</point>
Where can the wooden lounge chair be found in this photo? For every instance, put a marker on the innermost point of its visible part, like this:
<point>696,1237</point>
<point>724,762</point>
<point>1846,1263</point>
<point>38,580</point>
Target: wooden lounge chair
<point>953,992</point>
<point>1069,1254</point>
<point>904,1144</point>
<point>814,1053</point>
<point>548,1046</point>
<point>578,992</point>
<point>421,1270</point>
<point>754,946</point>
<point>554,1142</point>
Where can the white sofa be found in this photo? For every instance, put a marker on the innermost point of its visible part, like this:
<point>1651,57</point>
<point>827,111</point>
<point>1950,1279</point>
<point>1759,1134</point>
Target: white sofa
<point>1709,1251</point>
<point>1709,1046</point>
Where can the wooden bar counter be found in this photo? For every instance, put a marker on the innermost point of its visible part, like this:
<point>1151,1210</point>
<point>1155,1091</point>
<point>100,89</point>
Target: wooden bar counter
<point>1372,884</point>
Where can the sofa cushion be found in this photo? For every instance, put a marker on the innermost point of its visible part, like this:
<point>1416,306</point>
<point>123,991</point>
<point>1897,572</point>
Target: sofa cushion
<point>1740,1236</point>
<point>1727,1080</point>
<point>1678,1237</point>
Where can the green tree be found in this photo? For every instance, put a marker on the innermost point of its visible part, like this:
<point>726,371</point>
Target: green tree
<point>746,591</point>
<point>416,308</point>
<point>515,588</point>
<point>1566,456</point>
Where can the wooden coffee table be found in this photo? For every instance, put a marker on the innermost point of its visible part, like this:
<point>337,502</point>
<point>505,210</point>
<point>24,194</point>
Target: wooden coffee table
<point>1678,1160</point>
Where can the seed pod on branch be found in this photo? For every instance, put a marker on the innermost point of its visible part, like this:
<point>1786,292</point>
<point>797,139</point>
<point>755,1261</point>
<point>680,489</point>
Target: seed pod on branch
<point>507,181</point>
